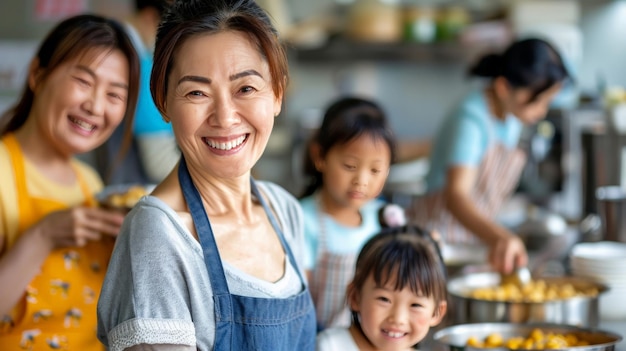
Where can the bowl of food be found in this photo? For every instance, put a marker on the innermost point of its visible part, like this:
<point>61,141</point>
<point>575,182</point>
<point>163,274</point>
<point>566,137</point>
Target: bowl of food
<point>514,336</point>
<point>482,298</point>
<point>122,197</point>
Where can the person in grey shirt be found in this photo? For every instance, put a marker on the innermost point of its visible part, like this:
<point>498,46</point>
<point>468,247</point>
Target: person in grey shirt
<point>208,260</point>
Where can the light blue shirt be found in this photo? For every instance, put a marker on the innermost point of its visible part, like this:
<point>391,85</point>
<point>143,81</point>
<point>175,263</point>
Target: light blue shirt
<point>339,238</point>
<point>148,119</point>
<point>465,135</point>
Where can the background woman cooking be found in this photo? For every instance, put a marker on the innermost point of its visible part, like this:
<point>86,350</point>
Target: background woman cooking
<point>475,162</point>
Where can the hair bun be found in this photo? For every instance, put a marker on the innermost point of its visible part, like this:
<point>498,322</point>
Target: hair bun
<point>489,66</point>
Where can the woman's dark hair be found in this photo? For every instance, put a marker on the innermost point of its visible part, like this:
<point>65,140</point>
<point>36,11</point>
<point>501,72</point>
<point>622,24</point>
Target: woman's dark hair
<point>407,256</point>
<point>530,63</point>
<point>188,18</point>
<point>69,40</point>
<point>159,5</point>
<point>345,120</point>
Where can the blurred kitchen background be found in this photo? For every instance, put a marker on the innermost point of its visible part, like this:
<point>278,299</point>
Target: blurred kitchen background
<point>411,56</point>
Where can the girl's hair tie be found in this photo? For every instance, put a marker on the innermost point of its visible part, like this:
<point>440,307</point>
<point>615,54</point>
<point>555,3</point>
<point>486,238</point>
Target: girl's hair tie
<point>391,216</point>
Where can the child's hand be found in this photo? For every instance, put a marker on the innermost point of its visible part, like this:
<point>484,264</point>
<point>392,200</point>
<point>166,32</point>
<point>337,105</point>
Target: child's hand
<point>78,225</point>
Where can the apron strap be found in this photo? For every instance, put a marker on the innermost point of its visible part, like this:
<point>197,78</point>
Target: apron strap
<point>201,222</point>
<point>15,153</point>
<point>274,222</point>
<point>24,201</point>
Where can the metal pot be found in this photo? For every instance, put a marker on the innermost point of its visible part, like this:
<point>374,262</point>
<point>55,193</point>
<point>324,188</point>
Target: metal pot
<point>578,311</point>
<point>459,259</point>
<point>455,337</point>
<point>612,210</point>
<point>541,228</point>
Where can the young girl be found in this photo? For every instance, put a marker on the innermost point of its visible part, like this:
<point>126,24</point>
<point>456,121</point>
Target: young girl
<point>349,160</point>
<point>397,294</point>
<point>81,84</point>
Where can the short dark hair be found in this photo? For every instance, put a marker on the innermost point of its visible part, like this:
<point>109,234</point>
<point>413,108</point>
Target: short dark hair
<point>159,5</point>
<point>530,63</point>
<point>406,254</point>
<point>189,18</point>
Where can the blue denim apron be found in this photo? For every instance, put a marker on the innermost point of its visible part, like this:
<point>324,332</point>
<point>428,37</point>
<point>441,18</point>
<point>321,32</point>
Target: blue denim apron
<point>250,323</point>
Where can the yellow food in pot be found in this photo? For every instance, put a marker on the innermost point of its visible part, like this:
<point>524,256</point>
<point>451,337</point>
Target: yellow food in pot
<point>535,291</point>
<point>494,340</point>
<point>537,340</point>
<point>127,199</point>
<point>474,342</point>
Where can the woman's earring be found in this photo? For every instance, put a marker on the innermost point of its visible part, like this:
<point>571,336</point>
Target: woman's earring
<point>318,166</point>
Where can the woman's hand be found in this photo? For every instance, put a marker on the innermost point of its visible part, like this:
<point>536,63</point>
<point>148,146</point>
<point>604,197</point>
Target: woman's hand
<point>506,250</point>
<point>507,253</point>
<point>72,227</point>
<point>78,225</point>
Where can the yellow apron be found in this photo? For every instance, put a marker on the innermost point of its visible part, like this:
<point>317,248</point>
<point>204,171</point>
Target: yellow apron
<point>58,309</point>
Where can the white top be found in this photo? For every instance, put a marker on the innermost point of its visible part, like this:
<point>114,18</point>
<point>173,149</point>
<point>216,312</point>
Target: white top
<point>336,339</point>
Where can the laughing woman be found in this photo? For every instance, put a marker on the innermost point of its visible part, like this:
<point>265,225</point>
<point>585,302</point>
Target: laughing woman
<point>208,261</point>
<point>54,242</point>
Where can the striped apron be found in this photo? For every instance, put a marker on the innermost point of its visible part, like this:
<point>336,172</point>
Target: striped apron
<point>330,278</point>
<point>498,174</point>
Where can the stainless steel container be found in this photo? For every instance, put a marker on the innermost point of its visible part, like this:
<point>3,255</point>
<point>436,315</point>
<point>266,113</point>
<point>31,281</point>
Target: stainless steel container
<point>455,337</point>
<point>541,228</point>
<point>577,311</point>
<point>612,211</point>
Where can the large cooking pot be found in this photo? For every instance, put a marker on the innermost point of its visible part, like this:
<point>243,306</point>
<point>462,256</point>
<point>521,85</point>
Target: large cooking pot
<point>541,228</point>
<point>578,311</point>
<point>455,337</point>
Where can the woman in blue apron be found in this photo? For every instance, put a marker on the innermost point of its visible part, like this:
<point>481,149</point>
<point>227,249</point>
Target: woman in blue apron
<point>475,163</point>
<point>208,260</point>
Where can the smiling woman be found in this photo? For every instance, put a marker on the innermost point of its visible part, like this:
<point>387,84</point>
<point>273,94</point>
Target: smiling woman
<point>225,103</point>
<point>208,261</point>
<point>54,242</point>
